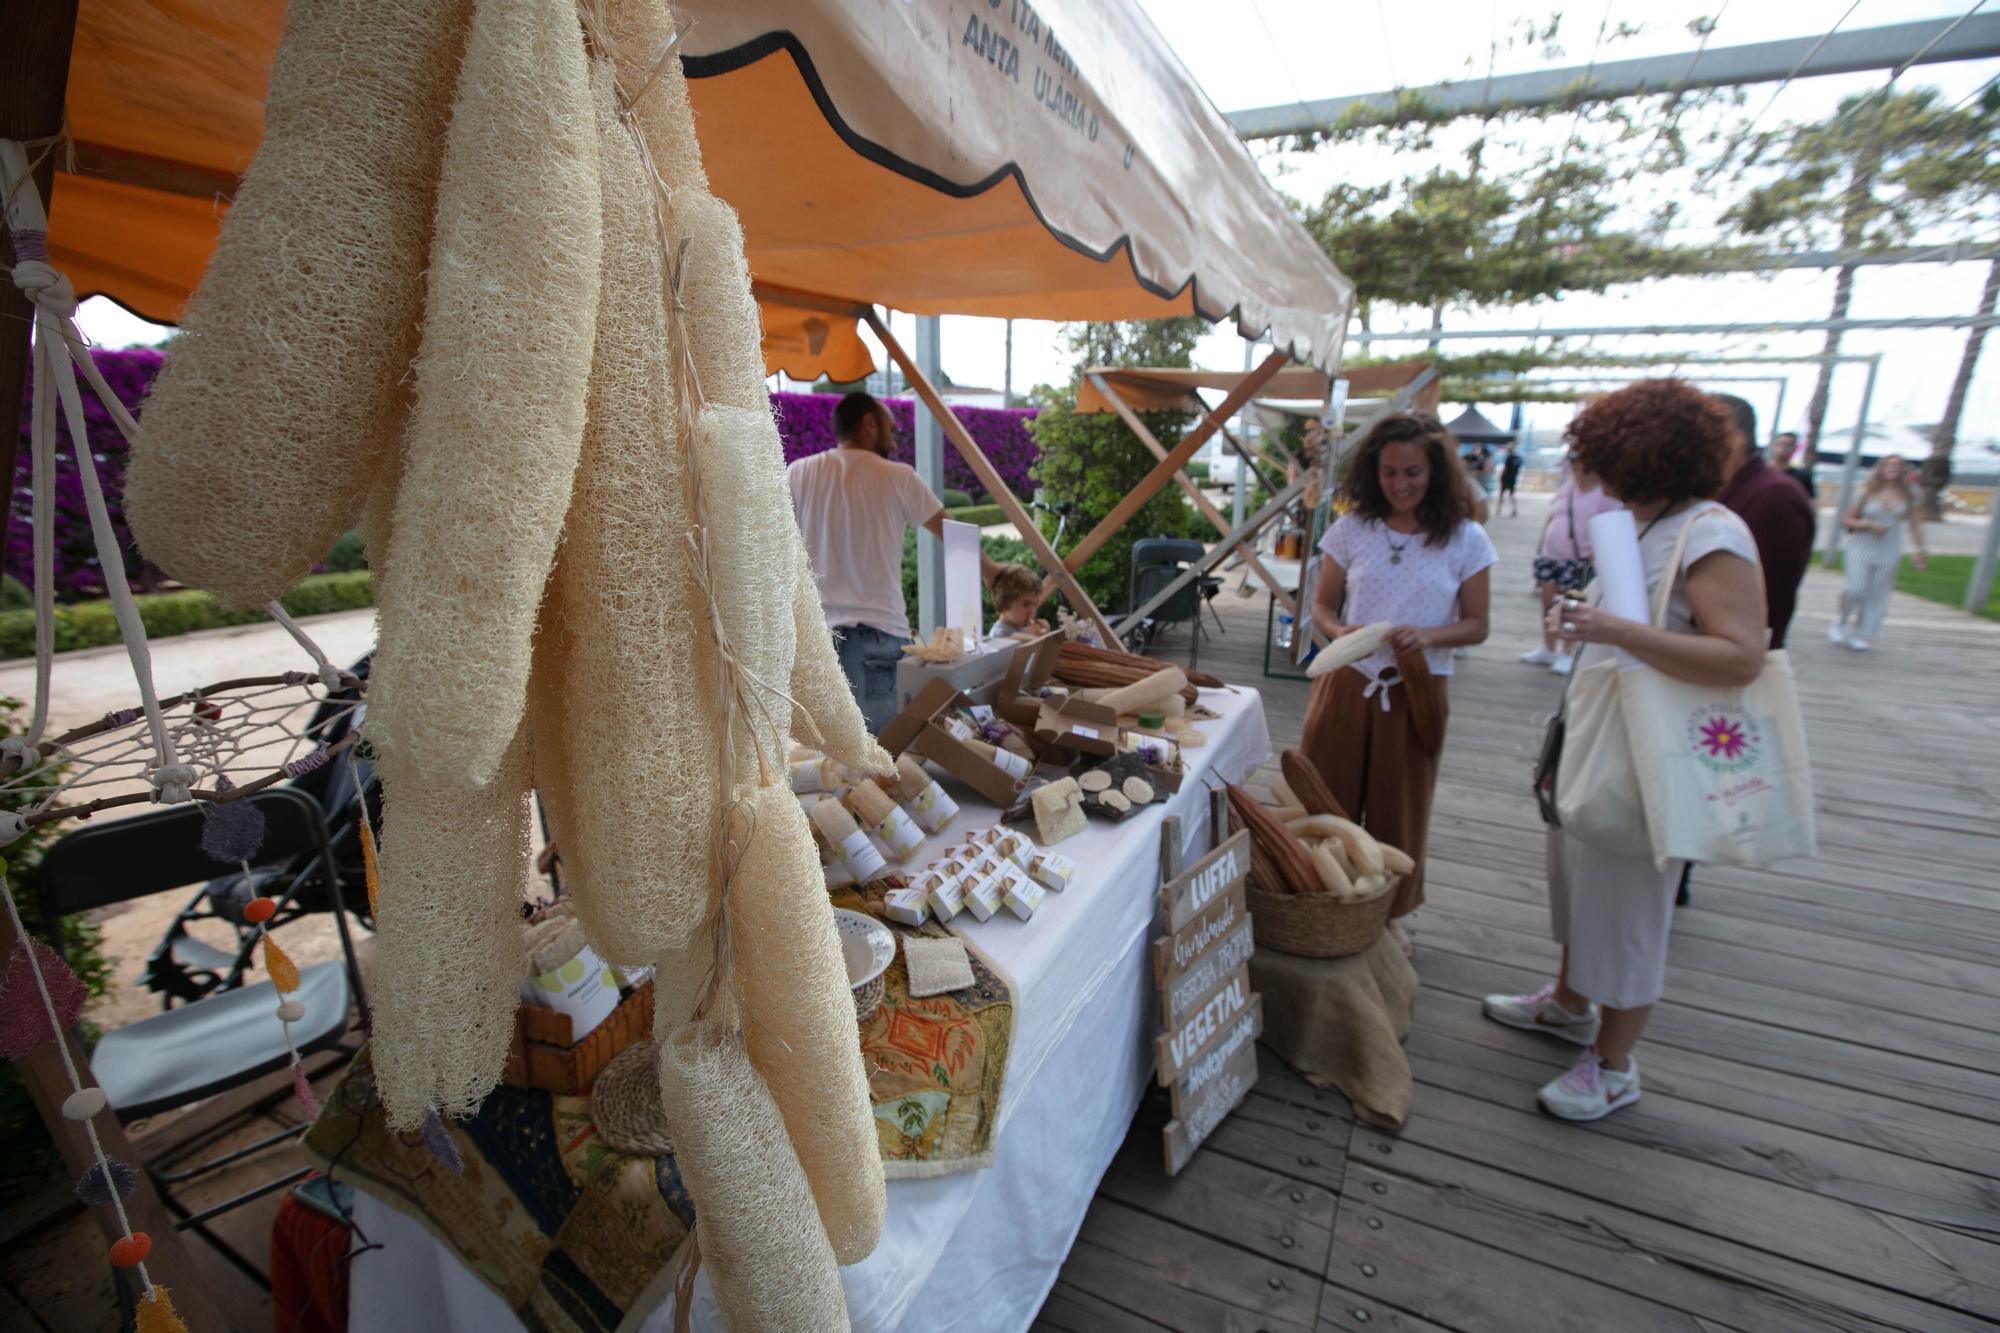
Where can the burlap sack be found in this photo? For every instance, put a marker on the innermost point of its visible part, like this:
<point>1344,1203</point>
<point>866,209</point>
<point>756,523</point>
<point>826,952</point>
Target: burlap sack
<point>1341,1021</point>
<point>510,309</point>
<point>281,396</point>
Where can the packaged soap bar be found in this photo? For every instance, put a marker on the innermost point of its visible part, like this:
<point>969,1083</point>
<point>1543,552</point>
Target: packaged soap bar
<point>851,848</point>
<point>817,773</point>
<point>958,727</point>
<point>1051,870</point>
<point>1015,846</point>
<point>1013,765</point>
<point>906,906</point>
<point>984,896</point>
<point>921,795</point>
<point>946,899</point>
<point>1023,896</point>
<point>1156,751</point>
<point>896,829</point>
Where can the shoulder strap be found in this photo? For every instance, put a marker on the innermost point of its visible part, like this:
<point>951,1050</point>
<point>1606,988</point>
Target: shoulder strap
<point>1671,572</point>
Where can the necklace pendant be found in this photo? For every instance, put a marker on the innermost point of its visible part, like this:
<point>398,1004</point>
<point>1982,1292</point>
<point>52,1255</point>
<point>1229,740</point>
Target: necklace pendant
<point>1395,557</point>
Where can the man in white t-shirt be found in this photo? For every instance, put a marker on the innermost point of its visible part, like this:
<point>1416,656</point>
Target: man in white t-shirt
<point>853,504</point>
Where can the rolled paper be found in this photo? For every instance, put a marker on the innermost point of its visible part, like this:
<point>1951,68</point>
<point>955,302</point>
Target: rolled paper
<point>947,899</point>
<point>1023,896</point>
<point>906,906</point>
<point>1621,570</point>
<point>1051,871</point>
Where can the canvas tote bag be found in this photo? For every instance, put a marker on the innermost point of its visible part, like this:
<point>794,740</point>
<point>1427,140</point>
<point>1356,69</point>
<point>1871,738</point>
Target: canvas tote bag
<point>1657,766</point>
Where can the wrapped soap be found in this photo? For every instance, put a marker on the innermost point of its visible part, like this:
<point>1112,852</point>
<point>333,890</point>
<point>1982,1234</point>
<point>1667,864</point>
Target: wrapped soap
<point>851,849</point>
<point>906,906</point>
<point>959,728</point>
<point>922,796</point>
<point>1013,765</point>
<point>817,773</point>
<point>1014,845</point>
<point>1153,751</point>
<point>898,832</point>
<point>1051,870</point>
<point>984,896</point>
<point>1023,896</point>
<point>946,899</point>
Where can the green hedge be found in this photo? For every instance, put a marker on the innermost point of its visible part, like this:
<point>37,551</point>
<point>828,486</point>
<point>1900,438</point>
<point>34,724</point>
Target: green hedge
<point>165,614</point>
<point>983,515</point>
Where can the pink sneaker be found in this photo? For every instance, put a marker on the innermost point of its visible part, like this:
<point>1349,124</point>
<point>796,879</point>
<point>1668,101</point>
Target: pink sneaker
<point>1591,1089</point>
<point>1539,1012</point>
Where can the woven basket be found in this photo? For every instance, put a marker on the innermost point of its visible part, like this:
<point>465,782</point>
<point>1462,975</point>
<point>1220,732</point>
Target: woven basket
<point>544,1055</point>
<point>868,997</point>
<point>1318,925</point>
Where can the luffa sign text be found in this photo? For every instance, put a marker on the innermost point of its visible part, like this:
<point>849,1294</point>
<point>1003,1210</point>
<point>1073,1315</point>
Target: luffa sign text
<point>1207,1054</point>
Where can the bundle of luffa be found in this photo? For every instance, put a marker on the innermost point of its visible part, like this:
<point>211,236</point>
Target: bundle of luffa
<point>591,585</point>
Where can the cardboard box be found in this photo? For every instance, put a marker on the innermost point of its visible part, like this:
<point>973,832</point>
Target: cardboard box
<point>918,730</point>
<point>1078,726</point>
<point>1017,699</point>
<point>976,675</point>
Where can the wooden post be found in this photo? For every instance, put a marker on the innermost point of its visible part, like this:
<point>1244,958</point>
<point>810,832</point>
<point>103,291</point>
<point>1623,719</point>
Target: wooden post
<point>989,477</point>
<point>1243,452</point>
<point>1149,486</point>
<point>1209,511</point>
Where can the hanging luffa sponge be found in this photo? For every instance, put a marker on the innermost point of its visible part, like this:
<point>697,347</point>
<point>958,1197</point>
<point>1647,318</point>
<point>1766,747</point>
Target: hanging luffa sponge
<point>281,395</point>
<point>454,869</point>
<point>501,376</point>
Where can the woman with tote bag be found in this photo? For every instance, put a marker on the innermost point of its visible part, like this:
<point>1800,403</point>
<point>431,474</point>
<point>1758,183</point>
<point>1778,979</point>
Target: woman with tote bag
<point>1660,447</point>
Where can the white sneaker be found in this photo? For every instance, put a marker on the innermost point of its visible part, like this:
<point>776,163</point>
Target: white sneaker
<point>1563,665</point>
<point>1540,657</point>
<point>1540,1012</point>
<point>1591,1090</point>
<point>1837,632</point>
<point>1858,644</point>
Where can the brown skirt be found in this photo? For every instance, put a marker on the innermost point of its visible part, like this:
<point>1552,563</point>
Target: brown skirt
<point>1374,767</point>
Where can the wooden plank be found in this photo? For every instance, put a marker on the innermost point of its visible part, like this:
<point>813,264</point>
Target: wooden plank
<point>1267,1212</point>
<point>1207,1028</point>
<point>1164,1271</point>
<point>1229,953</point>
<point>1174,954</point>
<point>1345,1310</point>
<point>989,477</point>
<point>1070,1309</point>
<point>1307,1145</point>
<point>1176,459</point>
<point>1202,1108</point>
<point>1186,894</point>
<point>1193,493</point>
<point>1708,1278</point>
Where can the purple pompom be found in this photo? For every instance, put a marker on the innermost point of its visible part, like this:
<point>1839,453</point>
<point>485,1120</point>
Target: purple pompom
<point>234,830</point>
<point>94,1189</point>
<point>24,1020</point>
<point>438,1139</point>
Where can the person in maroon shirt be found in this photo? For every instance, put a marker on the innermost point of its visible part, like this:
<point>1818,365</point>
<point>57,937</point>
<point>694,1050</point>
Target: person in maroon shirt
<point>1778,513</point>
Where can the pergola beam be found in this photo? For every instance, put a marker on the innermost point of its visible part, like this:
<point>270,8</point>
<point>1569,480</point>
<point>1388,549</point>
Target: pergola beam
<point>1193,492</point>
<point>1893,46</point>
<point>1176,459</point>
<point>1658,330</point>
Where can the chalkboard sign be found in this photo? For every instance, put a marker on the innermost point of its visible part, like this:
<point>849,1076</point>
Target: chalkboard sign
<point>1206,1052</point>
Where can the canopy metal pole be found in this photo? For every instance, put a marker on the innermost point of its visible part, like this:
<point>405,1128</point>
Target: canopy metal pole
<point>1852,466</point>
<point>1980,590</point>
<point>930,466</point>
<point>1655,330</point>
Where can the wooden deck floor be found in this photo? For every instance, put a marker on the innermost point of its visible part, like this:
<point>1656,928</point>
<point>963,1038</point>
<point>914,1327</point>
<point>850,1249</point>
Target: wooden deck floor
<point>1817,1146</point>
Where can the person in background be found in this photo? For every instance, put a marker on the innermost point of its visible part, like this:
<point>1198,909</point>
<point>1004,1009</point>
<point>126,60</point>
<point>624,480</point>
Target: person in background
<point>1875,523</point>
<point>1562,559</point>
<point>1407,551</point>
<point>1017,592</point>
<point>1510,480</point>
<point>1659,446</point>
<point>853,504</point>
<point>1777,512</point>
<point>1785,448</point>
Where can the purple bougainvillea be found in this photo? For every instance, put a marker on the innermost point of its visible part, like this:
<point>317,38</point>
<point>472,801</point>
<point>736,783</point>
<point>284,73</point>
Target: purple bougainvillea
<point>805,420</point>
<point>77,576</point>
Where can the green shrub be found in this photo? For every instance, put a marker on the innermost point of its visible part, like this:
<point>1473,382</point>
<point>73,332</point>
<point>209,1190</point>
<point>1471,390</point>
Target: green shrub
<point>14,594</point>
<point>1004,550</point>
<point>983,515</point>
<point>956,499</point>
<point>1197,471</point>
<point>347,555</point>
<point>166,614</point>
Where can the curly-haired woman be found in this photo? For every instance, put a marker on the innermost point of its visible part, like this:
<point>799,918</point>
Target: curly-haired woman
<point>1407,551</point>
<point>1660,446</point>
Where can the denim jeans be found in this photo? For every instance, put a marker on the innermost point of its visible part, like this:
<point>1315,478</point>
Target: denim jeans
<point>868,659</point>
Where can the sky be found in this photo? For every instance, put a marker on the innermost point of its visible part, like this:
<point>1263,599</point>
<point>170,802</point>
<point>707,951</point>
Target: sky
<point>1275,50</point>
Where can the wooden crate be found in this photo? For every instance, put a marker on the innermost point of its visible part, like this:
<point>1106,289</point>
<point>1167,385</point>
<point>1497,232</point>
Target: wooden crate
<point>544,1056</point>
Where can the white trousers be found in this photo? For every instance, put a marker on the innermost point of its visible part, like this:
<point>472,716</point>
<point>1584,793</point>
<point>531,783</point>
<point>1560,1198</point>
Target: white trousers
<point>1865,601</point>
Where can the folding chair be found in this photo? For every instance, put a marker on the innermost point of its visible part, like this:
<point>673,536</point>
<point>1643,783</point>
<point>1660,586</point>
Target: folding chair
<point>1157,562</point>
<point>226,1038</point>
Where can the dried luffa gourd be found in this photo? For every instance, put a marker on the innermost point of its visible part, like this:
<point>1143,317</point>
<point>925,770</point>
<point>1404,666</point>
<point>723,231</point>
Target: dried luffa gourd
<point>281,397</point>
<point>501,378</point>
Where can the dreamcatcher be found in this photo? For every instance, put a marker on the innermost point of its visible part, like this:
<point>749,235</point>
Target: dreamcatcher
<point>214,745</point>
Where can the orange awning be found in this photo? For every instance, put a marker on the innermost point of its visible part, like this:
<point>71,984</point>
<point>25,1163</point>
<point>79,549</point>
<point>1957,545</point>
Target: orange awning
<point>1056,164</point>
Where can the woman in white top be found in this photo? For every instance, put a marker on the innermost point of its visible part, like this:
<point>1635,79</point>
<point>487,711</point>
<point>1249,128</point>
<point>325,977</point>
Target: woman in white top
<point>1875,523</point>
<point>1659,446</point>
<point>1409,552</point>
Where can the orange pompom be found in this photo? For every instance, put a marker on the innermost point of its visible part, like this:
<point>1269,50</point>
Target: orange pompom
<point>127,1251</point>
<point>259,910</point>
<point>156,1314</point>
<point>284,972</point>
<point>369,871</point>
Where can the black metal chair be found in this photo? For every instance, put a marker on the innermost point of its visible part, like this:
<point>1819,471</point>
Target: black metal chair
<point>185,967</point>
<point>229,1037</point>
<point>1156,563</point>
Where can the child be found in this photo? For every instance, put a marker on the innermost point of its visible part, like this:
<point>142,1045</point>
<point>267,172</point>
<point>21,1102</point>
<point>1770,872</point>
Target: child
<point>1016,594</point>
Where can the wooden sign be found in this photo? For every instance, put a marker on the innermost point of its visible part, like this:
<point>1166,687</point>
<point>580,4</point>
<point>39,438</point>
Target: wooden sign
<point>1207,1055</point>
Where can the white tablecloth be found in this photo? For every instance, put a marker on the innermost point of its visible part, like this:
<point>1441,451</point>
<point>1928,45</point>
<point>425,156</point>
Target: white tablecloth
<point>979,1250</point>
